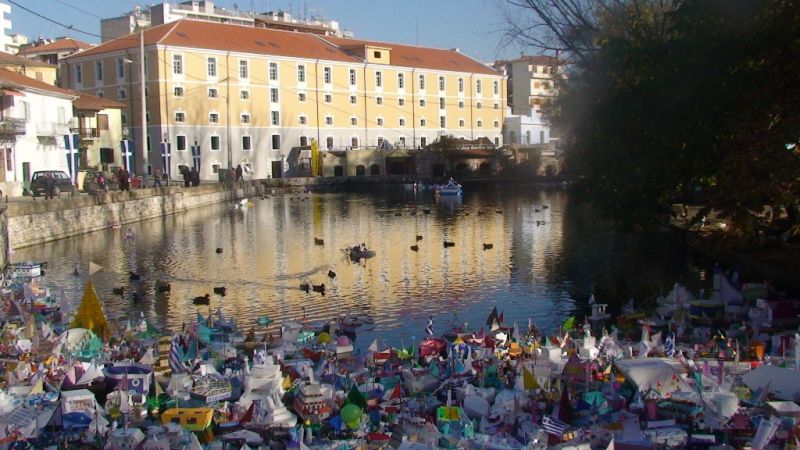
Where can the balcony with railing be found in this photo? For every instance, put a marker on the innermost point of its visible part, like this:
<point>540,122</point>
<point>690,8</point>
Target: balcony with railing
<point>10,126</point>
<point>89,133</point>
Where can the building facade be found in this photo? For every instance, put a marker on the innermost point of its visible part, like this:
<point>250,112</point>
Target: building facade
<point>220,95</point>
<point>52,51</point>
<point>98,125</point>
<point>34,129</point>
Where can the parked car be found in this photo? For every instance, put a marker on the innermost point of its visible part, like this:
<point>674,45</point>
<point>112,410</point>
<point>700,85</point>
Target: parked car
<point>91,184</point>
<point>62,183</point>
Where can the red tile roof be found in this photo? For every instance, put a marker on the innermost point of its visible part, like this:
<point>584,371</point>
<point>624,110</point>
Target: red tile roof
<point>61,44</point>
<point>422,57</point>
<point>7,59</point>
<point>94,103</point>
<point>225,37</point>
<point>264,41</point>
<point>13,79</point>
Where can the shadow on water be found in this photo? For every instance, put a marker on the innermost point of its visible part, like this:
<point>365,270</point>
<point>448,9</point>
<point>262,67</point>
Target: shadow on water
<point>544,257</point>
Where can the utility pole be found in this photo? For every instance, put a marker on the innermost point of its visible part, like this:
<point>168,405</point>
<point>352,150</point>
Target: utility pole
<point>144,151</point>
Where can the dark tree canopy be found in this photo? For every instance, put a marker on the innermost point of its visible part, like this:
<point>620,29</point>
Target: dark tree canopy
<point>663,99</point>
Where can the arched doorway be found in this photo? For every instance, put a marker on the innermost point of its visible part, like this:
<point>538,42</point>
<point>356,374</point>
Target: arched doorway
<point>338,171</point>
<point>374,169</point>
<point>361,171</point>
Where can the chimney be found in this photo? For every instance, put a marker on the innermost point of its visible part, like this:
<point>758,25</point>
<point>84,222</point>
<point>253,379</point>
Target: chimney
<point>456,50</point>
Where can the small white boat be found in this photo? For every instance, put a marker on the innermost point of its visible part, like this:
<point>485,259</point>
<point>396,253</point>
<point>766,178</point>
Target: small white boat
<point>28,269</point>
<point>450,189</point>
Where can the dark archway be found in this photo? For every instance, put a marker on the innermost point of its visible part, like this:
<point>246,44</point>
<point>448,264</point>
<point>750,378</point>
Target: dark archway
<point>338,171</point>
<point>485,168</point>
<point>374,169</point>
<point>361,171</point>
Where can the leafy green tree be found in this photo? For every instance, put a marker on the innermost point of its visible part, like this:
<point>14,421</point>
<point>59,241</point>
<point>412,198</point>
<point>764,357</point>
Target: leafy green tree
<point>663,99</point>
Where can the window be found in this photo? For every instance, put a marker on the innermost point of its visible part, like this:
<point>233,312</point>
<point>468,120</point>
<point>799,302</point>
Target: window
<point>422,103</point>
<point>245,118</point>
<point>496,105</point>
<point>461,123</point>
<point>496,87</point>
<point>378,79</point>
<point>422,122</point>
<point>460,105</point>
<point>120,68</point>
<point>379,120</point>
<point>352,77</point>
<point>213,117</point>
<point>442,121</point>
<point>244,94</point>
<point>213,93</point>
<point>212,67</point>
<point>177,64</point>
<point>244,72</point>
<point>400,81</point>
<point>214,143</point>
<point>380,141</point>
<point>422,82</point>
<point>441,102</point>
<point>496,123</point>
<point>480,124</point>
<point>353,99</point>
<point>328,98</point>
<point>78,74</point>
<point>301,97</point>
<point>275,117</point>
<point>273,71</point>
<point>376,54</point>
<point>177,91</point>
<point>402,141</point>
<point>180,142</point>
<point>354,142</point>
<point>328,120</point>
<point>401,122</point>
<point>478,86</point>
<point>303,120</point>
<point>247,143</point>
<point>121,94</point>
<point>379,100</point>
<point>326,75</point>
<point>180,117</point>
<point>401,102</point>
<point>460,85</point>
<point>214,169</point>
<point>329,142</point>
<point>497,142</point>
<point>353,121</point>
<point>478,105</point>
<point>98,66</point>
<point>423,141</point>
<point>276,141</point>
<point>441,84</point>
<point>301,74</point>
<point>303,141</point>
<point>273,95</point>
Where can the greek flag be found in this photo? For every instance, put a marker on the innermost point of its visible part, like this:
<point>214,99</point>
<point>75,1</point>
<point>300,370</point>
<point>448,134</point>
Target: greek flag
<point>669,345</point>
<point>175,357</point>
<point>553,426</point>
<point>429,328</point>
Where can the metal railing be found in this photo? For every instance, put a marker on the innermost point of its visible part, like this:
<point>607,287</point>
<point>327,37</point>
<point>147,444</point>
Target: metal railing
<point>11,125</point>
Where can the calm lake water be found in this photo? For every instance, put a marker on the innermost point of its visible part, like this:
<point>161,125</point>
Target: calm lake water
<point>548,255</point>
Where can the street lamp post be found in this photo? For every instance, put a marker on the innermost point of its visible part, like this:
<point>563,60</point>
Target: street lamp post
<point>145,157</point>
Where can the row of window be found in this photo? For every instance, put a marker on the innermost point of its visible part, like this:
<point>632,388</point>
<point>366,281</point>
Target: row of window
<point>244,94</point>
<point>244,74</point>
<point>180,117</point>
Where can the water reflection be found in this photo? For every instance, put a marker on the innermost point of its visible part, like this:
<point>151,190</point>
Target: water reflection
<point>547,256</point>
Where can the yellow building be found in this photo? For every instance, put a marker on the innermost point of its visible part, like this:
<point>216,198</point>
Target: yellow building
<point>248,95</point>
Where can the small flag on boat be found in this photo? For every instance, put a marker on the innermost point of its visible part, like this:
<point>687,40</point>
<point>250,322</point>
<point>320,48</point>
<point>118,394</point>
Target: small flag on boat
<point>553,426</point>
<point>429,328</point>
<point>374,346</point>
<point>175,363</point>
<point>669,345</point>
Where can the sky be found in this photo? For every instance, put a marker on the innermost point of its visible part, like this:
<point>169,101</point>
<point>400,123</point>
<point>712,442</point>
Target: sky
<point>473,26</point>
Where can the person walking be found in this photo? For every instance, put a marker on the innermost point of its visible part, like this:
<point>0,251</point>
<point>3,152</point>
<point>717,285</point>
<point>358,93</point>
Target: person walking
<point>187,176</point>
<point>157,177</point>
<point>123,179</point>
<point>239,173</point>
<point>49,186</point>
<point>194,176</point>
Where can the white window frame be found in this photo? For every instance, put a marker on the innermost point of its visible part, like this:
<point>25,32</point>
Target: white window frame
<point>379,121</point>
<point>213,117</point>
<point>244,95</point>
<point>274,95</point>
<point>275,118</point>
<point>329,120</point>
<point>302,119</point>
<point>301,73</point>
<point>401,121</point>
<point>379,100</point>
<point>250,142</point>
<point>215,91</point>
<point>177,64</point>
<point>244,70</point>
<point>401,81</point>
<point>353,100</point>
<point>496,87</point>
<point>185,143</point>
<point>302,97</point>
<point>353,121</point>
<point>477,86</point>
<point>422,103</point>
<point>245,118</point>
<point>273,71</point>
<point>327,75</point>
<point>461,85</point>
<point>423,122</point>
<point>442,83</point>
<point>328,98</point>
<point>353,77</point>
<point>78,74</point>
<point>422,82</point>
<point>175,90</point>
<point>98,72</point>
<point>120,69</point>
<point>211,66</point>
<point>378,79</point>
<point>219,143</point>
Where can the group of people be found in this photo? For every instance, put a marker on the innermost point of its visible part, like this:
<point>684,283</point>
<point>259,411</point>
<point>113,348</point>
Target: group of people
<point>191,177</point>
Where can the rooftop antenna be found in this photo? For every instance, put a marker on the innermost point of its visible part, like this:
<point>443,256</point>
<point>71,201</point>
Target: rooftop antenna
<point>305,10</point>
<point>416,28</point>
